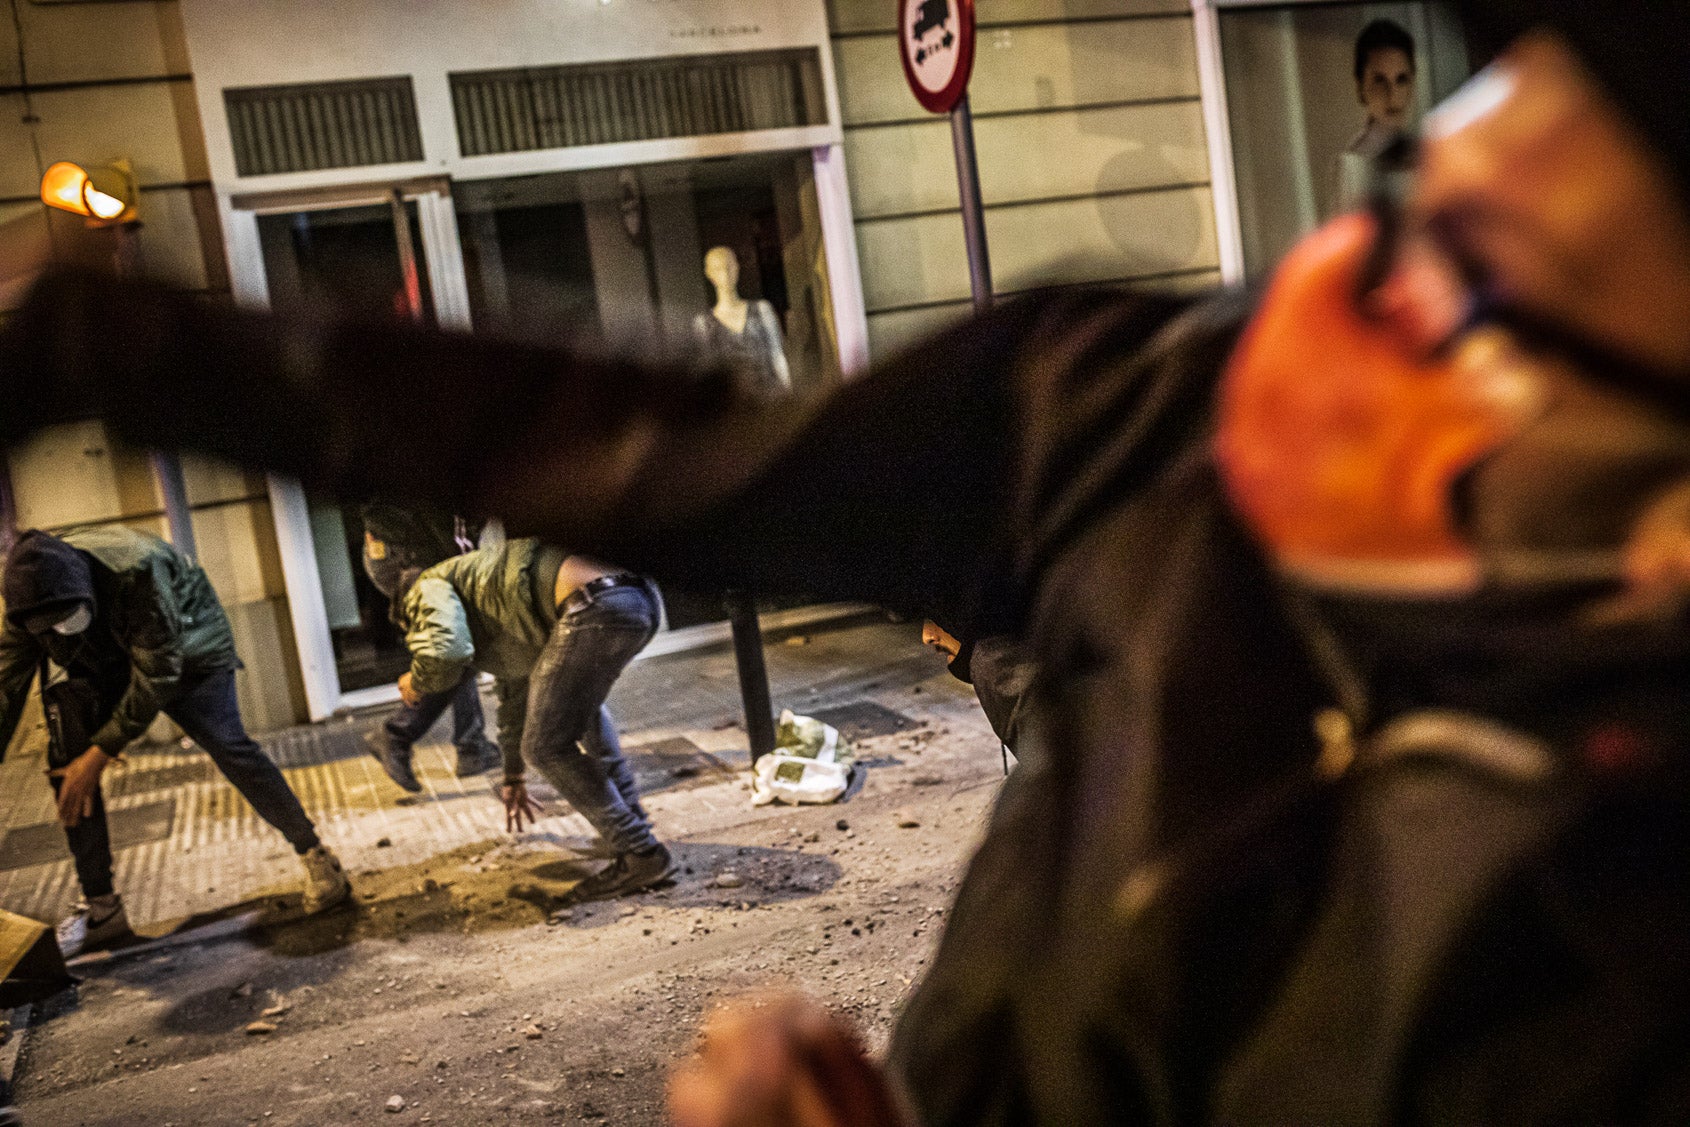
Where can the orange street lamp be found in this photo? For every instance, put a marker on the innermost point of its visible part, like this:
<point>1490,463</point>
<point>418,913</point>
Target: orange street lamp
<point>105,195</point>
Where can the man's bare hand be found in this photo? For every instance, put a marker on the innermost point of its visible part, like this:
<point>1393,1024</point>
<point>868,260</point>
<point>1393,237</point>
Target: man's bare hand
<point>408,692</point>
<point>518,805</point>
<point>78,784</point>
<point>780,1061</point>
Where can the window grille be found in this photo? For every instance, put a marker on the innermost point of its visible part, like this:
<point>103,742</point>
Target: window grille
<point>508,111</point>
<point>306,127</point>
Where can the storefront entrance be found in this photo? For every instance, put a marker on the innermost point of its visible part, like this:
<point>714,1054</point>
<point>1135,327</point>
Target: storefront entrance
<point>635,254</point>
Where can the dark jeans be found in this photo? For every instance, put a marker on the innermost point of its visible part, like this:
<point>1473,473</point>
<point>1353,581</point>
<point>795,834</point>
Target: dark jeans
<point>569,737</point>
<point>209,713</point>
<point>469,727</point>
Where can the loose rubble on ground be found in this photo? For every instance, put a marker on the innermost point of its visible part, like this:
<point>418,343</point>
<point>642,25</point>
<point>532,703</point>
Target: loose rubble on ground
<point>458,992</point>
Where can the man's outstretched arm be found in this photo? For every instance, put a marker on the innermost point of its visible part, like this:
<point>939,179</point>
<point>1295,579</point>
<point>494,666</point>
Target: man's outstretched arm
<point>899,489</point>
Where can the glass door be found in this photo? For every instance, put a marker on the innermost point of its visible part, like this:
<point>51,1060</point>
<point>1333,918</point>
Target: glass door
<point>723,256</point>
<point>374,253</point>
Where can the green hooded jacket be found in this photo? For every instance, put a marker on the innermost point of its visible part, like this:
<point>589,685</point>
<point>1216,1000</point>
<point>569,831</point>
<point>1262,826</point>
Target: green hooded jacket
<point>478,611</point>
<point>160,610</point>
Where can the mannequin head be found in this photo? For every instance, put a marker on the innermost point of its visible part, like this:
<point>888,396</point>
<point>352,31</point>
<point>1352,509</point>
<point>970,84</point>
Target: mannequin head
<point>721,266</point>
<point>1385,74</point>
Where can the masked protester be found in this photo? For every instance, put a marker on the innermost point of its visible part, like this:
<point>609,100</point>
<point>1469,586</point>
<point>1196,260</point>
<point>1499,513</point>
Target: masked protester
<point>1360,784</point>
<point>397,540</point>
<point>137,627</point>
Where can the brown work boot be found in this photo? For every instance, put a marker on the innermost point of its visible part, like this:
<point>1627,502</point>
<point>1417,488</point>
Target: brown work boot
<point>478,759</point>
<point>395,761</point>
<point>628,873</point>
<point>325,880</point>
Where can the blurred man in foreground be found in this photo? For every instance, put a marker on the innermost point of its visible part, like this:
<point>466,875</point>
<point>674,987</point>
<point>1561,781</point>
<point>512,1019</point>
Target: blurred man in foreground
<point>1361,785</point>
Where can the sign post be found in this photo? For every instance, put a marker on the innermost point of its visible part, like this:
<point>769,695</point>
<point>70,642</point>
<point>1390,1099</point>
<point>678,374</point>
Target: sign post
<point>936,41</point>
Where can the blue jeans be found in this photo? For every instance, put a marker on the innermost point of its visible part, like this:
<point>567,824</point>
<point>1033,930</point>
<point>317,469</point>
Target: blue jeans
<point>569,737</point>
<point>210,714</point>
<point>469,728</point>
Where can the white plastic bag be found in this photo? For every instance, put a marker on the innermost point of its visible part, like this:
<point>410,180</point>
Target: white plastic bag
<point>810,764</point>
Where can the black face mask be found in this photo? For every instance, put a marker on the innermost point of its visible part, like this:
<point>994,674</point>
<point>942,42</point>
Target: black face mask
<point>92,655</point>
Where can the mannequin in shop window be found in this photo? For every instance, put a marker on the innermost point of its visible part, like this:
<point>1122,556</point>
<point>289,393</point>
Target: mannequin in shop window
<point>1386,72</point>
<point>745,333</point>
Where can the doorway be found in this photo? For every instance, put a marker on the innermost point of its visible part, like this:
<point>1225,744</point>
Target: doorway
<point>377,252</point>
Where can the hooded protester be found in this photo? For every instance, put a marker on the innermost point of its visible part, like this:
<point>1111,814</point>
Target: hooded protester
<point>1362,742</point>
<point>137,623</point>
<point>396,540</point>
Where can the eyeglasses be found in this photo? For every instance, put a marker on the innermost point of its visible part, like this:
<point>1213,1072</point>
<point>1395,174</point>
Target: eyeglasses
<point>1418,279</point>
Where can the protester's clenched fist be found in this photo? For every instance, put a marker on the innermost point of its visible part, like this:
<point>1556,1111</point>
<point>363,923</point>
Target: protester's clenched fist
<point>780,1061</point>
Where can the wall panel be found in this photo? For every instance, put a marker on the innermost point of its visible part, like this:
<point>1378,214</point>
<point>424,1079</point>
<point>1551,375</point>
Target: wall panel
<point>921,260</point>
<point>856,16</point>
<point>891,332</point>
<point>74,474</point>
<point>140,121</point>
<point>20,176</point>
<point>100,42</point>
<point>896,330</point>
<point>230,539</point>
<point>24,245</point>
<point>1038,67</point>
<point>9,73</point>
<point>898,169</point>
<point>170,239</point>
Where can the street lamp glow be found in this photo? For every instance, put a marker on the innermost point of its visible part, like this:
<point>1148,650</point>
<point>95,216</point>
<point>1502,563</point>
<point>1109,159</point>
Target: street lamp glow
<point>70,187</point>
<point>102,205</point>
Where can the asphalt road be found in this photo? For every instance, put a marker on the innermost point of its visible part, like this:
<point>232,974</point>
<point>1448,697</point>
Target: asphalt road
<point>449,994</point>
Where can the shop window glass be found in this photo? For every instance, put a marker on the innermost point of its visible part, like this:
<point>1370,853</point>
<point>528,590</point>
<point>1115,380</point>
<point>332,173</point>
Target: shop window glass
<point>1303,128</point>
<point>718,259</point>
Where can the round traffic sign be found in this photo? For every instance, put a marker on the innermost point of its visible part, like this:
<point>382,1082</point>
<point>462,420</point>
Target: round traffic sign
<point>936,39</point>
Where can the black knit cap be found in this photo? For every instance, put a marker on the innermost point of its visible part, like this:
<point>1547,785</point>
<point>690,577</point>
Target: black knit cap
<point>46,579</point>
<point>1638,49</point>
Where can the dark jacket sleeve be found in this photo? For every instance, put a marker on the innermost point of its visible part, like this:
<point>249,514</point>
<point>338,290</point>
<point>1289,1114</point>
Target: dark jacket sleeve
<point>20,657</point>
<point>148,622</point>
<point>909,487</point>
<point>437,634</point>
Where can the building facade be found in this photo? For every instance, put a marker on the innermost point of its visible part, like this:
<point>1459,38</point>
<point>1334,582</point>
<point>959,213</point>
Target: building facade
<point>548,168</point>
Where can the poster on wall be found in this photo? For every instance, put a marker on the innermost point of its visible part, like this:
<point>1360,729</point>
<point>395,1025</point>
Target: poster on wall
<point>1316,95</point>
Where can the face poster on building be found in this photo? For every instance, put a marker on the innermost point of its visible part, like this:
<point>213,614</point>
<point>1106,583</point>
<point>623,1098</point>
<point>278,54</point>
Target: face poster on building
<point>1317,94</point>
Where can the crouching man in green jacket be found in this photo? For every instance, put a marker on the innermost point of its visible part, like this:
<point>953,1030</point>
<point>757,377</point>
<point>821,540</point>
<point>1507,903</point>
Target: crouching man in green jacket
<point>138,625</point>
<point>555,631</point>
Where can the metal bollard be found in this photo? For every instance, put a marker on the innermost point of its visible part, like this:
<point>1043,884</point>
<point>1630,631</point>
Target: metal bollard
<point>753,673</point>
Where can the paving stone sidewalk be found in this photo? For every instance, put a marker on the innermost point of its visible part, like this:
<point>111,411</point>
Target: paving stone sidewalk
<point>188,844</point>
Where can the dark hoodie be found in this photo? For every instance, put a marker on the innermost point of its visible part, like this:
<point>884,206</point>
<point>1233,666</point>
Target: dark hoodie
<point>1635,49</point>
<point>157,625</point>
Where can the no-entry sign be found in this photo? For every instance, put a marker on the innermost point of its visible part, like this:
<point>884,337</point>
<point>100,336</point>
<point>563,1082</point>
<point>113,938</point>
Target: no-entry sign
<point>936,38</point>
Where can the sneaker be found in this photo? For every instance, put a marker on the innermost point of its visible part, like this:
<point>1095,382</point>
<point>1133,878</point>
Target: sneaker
<point>630,872</point>
<point>325,881</point>
<point>395,762</point>
<point>93,925</point>
<point>478,759</point>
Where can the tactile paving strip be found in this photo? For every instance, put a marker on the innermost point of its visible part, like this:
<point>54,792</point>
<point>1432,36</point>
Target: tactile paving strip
<point>218,852</point>
<point>43,843</point>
